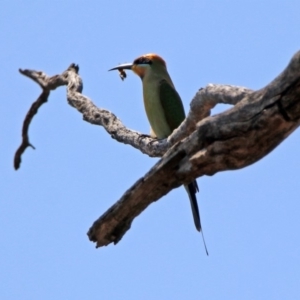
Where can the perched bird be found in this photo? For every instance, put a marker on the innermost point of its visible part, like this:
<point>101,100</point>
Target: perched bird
<point>163,107</point>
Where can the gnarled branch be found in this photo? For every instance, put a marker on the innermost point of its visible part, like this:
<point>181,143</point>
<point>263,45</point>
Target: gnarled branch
<point>202,103</point>
<point>47,84</point>
<point>202,145</point>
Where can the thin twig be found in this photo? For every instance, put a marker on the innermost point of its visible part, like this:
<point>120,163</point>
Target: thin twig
<point>25,138</point>
<point>46,83</point>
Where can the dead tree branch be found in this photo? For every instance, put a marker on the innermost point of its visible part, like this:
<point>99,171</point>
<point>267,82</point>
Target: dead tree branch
<point>202,103</point>
<point>47,84</point>
<point>202,145</point>
<point>258,122</point>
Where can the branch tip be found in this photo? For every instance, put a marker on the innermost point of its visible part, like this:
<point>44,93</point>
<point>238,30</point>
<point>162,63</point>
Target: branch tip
<point>30,145</point>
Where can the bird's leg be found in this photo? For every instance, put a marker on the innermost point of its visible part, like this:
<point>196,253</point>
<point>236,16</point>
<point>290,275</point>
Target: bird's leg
<point>143,136</point>
<point>154,138</point>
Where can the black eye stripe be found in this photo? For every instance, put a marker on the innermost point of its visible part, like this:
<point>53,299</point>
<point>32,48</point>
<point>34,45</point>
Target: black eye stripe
<point>142,60</point>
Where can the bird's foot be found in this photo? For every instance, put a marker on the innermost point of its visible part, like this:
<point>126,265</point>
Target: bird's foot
<point>143,136</point>
<point>154,138</point>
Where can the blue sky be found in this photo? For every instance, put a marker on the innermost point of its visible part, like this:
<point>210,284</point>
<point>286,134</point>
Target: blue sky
<point>250,216</point>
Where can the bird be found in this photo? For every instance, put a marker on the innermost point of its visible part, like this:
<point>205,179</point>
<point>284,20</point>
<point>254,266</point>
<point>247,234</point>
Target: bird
<point>164,109</point>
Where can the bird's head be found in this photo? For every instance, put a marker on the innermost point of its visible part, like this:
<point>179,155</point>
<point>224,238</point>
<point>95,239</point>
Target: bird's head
<point>143,64</point>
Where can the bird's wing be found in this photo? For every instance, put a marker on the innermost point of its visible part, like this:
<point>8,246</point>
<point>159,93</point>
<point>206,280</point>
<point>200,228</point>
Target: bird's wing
<point>171,103</point>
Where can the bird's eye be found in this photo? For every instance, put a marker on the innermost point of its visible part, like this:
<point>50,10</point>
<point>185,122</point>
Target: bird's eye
<point>142,61</point>
<point>148,61</point>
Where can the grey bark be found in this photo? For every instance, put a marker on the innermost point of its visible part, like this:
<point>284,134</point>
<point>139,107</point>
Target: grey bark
<point>202,145</point>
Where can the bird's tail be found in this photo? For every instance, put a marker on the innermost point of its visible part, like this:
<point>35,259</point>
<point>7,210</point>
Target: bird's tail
<point>192,189</point>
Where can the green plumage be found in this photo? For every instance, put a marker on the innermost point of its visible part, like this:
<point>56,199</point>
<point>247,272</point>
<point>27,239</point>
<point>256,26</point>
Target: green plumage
<point>163,105</point>
<point>164,109</point>
<point>171,104</point>
<point>165,113</point>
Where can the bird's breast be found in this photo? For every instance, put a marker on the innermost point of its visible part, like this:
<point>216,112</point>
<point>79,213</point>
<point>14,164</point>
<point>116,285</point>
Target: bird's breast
<point>154,109</point>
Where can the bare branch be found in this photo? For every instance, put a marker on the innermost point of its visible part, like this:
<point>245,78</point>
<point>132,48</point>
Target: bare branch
<point>47,84</point>
<point>231,140</point>
<point>25,138</point>
<point>201,105</point>
<point>202,145</point>
<point>98,116</point>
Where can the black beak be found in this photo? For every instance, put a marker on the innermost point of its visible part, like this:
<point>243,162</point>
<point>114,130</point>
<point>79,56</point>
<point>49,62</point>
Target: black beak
<point>127,66</point>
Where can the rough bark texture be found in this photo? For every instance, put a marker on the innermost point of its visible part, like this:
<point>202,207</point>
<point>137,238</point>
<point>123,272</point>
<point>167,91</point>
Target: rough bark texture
<point>202,145</point>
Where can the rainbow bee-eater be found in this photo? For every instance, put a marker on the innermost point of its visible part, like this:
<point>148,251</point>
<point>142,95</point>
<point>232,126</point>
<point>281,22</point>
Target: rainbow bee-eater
<point>163,107</point>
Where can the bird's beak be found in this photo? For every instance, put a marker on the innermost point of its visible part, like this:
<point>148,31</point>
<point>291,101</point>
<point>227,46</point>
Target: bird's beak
<point>127,66</point>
